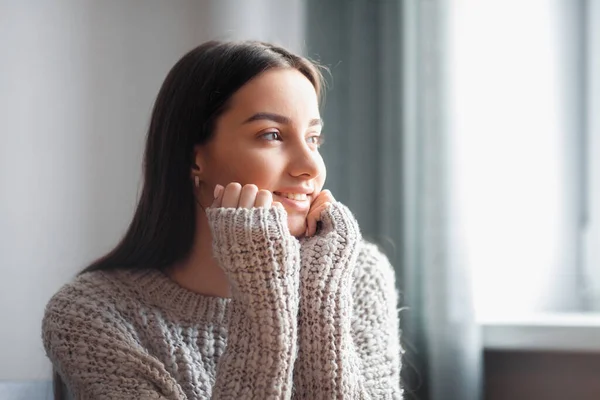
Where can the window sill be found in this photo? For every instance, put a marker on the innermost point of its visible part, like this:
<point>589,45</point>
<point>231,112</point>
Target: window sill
<point>579,332</point>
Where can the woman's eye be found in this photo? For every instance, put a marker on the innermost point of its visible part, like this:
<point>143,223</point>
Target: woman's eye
<point>271,136</point>
<point>318,140</point>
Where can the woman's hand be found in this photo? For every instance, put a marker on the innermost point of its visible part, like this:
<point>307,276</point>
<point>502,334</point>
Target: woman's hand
<point>323,200</point>
<point>234,195</point>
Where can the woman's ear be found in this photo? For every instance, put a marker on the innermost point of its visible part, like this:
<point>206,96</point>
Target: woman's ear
<point>197,170</point>
<point>197,161</point>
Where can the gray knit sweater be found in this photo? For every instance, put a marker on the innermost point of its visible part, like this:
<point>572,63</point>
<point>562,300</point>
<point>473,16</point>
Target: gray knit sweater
<point>314,318</point>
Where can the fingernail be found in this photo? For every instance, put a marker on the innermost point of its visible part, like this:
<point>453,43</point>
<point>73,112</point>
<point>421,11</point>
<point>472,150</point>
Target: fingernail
<point>218,190</point>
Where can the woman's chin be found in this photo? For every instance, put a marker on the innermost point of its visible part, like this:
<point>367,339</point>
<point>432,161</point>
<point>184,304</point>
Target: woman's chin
<point>297,225</point>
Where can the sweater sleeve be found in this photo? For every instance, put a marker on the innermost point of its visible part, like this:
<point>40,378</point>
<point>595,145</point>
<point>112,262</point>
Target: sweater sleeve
<point>335,361</point>
<point>328,366</point>
<point>97,355</point>
<point>261,259</point>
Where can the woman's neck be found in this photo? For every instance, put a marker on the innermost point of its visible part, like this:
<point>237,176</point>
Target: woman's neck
<point>200,272</point>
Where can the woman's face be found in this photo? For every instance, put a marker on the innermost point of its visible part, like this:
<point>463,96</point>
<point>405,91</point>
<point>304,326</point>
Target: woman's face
<point>269,136</point>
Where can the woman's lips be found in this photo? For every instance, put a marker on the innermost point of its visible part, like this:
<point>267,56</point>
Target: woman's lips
<point>297,203</point>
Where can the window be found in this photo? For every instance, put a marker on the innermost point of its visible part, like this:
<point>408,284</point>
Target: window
<point>591,163</point>
<point>524,85</point>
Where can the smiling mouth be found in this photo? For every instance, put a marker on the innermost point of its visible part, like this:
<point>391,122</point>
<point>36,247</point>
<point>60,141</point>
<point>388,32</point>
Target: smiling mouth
<point>293,196</point>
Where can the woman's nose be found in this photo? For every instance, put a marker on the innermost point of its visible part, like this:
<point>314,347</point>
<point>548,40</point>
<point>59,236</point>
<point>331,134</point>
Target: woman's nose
<point>305,162</point>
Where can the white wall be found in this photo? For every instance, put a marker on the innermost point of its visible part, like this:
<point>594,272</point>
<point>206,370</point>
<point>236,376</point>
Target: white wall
<point>277,21</point>
<point>77,83</point>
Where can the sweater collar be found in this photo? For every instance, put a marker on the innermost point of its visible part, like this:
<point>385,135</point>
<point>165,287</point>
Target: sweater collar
<point>157,289</point>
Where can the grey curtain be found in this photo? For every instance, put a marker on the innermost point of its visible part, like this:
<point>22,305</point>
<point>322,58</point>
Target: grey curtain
<point>387,153</point>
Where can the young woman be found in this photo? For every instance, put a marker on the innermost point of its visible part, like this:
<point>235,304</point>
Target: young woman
<point>239,276</point>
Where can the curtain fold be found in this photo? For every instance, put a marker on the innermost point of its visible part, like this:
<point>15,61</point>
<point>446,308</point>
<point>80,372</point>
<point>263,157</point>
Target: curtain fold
<point>389,160</point>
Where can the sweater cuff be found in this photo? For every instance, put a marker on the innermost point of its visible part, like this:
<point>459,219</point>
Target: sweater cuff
<point>238,232</point>
<point>339,219</point>
<point>256,250</point>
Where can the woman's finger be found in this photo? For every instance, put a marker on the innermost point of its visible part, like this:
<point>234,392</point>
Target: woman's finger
<point>313,218</point>
<point>235,195</point>
<point>323,197</point>
<point>314,213</point>
<point>248,196</point>
<point>218,195</point>
<point>264,198</point>
<point>231,195</point>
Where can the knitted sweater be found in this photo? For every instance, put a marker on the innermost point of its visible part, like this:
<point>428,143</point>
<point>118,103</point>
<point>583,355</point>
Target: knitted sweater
<point>314,318</point>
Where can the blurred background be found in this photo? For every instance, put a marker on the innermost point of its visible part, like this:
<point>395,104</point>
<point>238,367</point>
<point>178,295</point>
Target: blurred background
<point>464,134</point>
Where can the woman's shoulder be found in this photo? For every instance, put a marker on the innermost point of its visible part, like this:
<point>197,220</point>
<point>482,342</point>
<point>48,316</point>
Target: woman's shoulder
<point>373,263</point>
<point>374,290</point>
<point>88,308</point>
<point>107,298</point>
<point>374,275</point>
<point>97,290</point>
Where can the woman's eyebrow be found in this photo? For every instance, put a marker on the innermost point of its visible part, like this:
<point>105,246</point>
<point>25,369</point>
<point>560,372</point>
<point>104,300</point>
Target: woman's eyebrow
<point>280,119</point>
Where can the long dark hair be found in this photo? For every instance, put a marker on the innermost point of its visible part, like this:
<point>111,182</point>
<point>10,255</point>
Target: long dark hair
<point>194,94</point>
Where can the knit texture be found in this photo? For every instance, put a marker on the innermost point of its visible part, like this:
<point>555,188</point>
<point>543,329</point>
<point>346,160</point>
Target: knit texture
<point>309,319</point>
